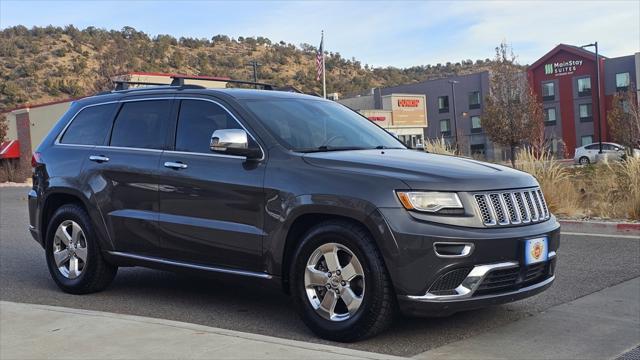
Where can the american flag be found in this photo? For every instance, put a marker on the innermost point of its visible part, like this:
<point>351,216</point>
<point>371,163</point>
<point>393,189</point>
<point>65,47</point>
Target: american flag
<point>320,60</point>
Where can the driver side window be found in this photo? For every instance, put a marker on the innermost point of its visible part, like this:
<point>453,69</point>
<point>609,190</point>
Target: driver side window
<point>197,120</point>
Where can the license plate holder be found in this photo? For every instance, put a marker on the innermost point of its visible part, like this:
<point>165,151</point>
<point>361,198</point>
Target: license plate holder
<point>536,250</point>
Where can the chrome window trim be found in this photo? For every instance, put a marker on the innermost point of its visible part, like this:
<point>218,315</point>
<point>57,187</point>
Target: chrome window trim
<point>59,137</point>
<point>192,266</point>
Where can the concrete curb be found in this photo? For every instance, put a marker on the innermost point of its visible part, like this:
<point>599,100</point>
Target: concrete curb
<point>600,227</point>
<point>31,331</point>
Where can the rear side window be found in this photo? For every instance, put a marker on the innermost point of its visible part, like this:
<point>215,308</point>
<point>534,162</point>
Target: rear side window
<point>197,121</point>
<point>142,124</point>
<point>90,126</point>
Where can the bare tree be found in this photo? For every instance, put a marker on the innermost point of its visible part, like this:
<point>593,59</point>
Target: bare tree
<point>624,119</point>
<point>512,109</point>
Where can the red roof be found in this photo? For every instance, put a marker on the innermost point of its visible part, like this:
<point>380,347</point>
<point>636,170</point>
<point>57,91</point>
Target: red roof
<point>203,77</point>
<point>576,50</point>
<point>31,106</point>
<point>10,149</point>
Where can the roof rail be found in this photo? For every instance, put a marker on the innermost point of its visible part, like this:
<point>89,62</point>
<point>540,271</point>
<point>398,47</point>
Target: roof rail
<point>179,81</point>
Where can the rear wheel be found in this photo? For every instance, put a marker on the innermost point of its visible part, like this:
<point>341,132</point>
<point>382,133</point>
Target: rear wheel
<point>339,283</point>
<point>73,254</point>
<point>584,160</point>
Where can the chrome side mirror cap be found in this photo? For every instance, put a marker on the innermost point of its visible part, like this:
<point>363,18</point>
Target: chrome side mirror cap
<point>233,142</point>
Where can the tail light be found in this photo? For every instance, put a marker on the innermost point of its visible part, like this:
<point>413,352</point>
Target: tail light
<point>36,159</point>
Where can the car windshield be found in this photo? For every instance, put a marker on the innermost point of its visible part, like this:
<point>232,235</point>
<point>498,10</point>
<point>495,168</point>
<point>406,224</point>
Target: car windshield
<point>316,125</point>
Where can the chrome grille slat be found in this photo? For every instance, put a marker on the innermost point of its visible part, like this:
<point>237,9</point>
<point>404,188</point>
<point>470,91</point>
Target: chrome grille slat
<point>512,207</point>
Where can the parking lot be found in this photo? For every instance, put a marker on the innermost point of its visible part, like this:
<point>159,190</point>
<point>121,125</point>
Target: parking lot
<point>586,264</point>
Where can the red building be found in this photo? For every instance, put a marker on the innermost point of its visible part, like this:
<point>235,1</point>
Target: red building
<point>565,81</point>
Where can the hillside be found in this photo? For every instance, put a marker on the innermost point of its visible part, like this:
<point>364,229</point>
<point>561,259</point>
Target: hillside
<point>48,63</point>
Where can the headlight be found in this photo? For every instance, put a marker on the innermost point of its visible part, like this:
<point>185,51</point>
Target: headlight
<point>431,201</point>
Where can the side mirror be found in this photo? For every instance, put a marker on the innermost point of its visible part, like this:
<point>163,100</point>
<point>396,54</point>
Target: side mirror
<point>233,142</point>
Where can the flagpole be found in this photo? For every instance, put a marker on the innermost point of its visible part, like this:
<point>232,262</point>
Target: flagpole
<point>324,70</point>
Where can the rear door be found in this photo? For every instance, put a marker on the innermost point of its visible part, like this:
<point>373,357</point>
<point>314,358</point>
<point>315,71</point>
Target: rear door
<point>123,174</point>
<point>211,205</point>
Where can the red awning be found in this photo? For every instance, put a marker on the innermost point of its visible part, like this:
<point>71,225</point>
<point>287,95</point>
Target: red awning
<point>10,150</point>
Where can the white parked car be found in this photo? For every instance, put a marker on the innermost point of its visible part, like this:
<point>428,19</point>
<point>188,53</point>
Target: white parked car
<point>587,154</point>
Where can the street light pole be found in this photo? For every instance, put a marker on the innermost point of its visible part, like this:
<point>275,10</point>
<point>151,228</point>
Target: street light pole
<point>455,115</point>
<point>255,65</point>
<point>595,44</point>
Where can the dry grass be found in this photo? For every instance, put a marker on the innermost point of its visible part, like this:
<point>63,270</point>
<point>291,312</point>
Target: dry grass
<point>608,190</point>
<point>439,146</point>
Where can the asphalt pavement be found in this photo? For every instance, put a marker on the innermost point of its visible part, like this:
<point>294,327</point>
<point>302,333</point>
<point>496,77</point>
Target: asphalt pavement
<point>586,264</point>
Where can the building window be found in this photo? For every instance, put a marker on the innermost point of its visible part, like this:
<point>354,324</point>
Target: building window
<point>585,113</point>
<point>550,116</point>
<point>548,91</point>
<point>477,150</point>
<point>474,100</point>
<point>584,86</point>
<point>622,81</point>
<point>586,140</point>
<point>445,127</point>
<point>443,104</point>
<point>476,125</point>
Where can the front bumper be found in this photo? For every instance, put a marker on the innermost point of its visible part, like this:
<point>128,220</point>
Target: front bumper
<point>485,285</point>
<point>416,266</point>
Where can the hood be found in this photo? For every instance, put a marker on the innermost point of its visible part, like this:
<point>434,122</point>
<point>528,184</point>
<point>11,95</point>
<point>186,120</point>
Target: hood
<point>424,171</point>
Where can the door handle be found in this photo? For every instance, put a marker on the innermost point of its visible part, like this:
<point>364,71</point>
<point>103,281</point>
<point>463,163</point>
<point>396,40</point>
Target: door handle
<point>175,165</point>
<point>98,158</point>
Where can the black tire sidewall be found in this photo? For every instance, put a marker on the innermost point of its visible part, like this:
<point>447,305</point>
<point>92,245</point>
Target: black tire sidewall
<point>334,233</point>
<point>77,214</point>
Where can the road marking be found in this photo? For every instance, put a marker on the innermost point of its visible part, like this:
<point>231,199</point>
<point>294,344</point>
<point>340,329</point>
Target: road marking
<point>635,237</point>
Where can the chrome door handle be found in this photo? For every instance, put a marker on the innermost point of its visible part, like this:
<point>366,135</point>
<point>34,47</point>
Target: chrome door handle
<point>98,158</point>
<point>175,165</point>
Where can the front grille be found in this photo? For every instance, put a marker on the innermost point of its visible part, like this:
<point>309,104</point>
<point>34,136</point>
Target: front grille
<point>449,281</point>
<point>515,278</point>
<point>512,207</point>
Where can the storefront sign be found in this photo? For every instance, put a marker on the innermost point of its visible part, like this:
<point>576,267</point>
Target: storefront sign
<point>408,110</point>
<point>562,68</point>
<point>408,102</point>
<point>377,118</point>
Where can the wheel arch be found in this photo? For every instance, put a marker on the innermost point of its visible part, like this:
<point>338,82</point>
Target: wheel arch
<point>372,222</point>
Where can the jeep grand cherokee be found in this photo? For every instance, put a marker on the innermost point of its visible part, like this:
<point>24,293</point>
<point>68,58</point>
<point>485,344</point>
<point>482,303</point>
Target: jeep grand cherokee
<point>289,189</point>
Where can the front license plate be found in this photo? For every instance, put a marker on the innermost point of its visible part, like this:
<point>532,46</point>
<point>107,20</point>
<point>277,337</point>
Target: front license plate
<point>536,250</point>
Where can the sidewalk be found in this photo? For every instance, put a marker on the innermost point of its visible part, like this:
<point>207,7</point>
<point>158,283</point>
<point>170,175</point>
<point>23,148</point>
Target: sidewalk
<point>30,331</point>
<point>602,325</point>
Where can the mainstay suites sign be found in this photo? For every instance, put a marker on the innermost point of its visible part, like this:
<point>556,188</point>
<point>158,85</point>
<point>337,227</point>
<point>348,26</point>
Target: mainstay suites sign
<point>562,68</point>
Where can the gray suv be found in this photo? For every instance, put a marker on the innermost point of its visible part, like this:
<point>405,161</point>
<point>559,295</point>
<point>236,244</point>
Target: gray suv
<point>288,189</point>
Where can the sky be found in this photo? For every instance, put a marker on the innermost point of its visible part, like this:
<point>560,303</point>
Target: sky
<point>378,33</point>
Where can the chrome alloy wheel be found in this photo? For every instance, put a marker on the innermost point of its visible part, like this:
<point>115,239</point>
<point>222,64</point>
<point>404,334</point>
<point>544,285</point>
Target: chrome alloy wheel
<point>70,249</point>
<point>334,282</point>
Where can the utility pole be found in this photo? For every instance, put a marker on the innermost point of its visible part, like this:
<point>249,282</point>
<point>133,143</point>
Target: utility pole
<point>455,115</point>
<point>255,65</point>
<point>595,44</point>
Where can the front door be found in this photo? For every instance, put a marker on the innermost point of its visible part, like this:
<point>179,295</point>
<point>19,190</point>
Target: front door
<point>211,205</point>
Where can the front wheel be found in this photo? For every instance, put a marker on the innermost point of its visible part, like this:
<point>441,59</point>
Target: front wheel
<point>339,283</point>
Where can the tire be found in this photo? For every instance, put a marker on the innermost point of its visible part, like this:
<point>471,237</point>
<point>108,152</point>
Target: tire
<point>377,303</point>
<point>71,223</point>
<point>584,160</point>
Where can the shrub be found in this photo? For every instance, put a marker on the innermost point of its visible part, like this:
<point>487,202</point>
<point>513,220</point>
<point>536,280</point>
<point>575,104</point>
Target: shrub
<point>439,146</point>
